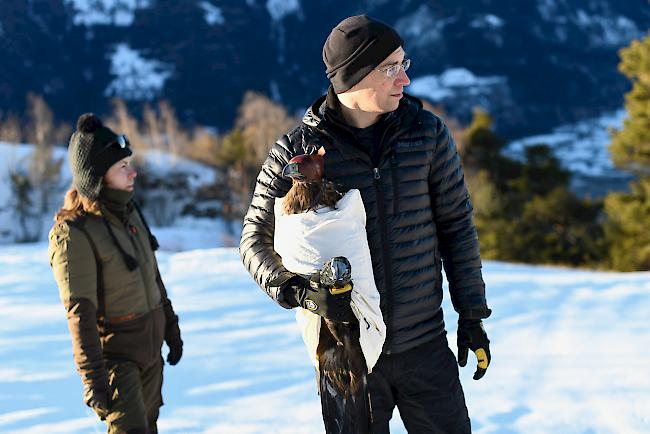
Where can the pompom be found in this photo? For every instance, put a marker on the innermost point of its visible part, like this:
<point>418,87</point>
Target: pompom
<point>88,123</point>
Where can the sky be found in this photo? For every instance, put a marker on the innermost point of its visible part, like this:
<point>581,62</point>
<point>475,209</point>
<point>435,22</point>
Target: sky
<point>569,351</point>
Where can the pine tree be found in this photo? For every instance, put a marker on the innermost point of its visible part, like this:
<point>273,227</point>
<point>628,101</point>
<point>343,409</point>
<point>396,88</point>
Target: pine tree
<point>630,146</point>
<point>523,210</point>
<point>629,213</point>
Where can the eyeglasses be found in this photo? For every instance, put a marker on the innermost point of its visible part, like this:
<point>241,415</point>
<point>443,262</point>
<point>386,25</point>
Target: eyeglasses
<point>392,70</point>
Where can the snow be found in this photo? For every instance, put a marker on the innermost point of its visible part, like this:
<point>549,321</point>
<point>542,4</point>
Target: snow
<point>199,232</point>
<point>603,29</point>
<point>568,352</point>
<point>15,157</point>
<point>211,13</point>
<point>547,9</point>
<point>136,77</point>
<point>445,85</point>
<point>105,12</point>
<point>611,31</point>
<point>487,21</point>
<point>278,9</point>
<point>161,163</point>
<point>581,147</point>
<point>421,28</point>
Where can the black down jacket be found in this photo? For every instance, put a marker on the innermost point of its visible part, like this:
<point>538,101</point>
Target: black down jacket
<point>418,212</point>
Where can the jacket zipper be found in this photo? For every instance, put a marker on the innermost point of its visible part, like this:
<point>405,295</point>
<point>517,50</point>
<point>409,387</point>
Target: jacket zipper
<point>393,174</point>
<point>383,231</point>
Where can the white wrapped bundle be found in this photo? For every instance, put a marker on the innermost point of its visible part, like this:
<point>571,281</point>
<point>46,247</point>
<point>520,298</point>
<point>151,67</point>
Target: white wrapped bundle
<point>306,241</point>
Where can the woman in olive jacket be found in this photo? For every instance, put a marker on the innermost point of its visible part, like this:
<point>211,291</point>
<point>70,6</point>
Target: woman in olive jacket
<point>102,255</point>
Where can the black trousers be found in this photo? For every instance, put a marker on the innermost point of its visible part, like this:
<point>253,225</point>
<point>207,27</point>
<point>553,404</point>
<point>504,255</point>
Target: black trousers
<point>424,384</point>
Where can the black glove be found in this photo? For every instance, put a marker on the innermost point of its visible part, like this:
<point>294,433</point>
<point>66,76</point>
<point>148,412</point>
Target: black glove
<point>172,335</point>
<point>175,350</point>
<point>471,336</point>
<point>311,295</point>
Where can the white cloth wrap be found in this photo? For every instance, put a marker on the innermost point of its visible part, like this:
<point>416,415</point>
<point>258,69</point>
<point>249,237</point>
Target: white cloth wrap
<point>306,241</point>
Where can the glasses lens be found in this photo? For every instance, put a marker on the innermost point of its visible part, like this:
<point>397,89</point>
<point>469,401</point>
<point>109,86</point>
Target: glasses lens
<point>392,70</point>
<point>122,141</point>
<point>406,64</point>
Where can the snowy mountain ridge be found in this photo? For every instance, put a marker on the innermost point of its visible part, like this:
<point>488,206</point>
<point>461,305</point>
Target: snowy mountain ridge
<point>556,62</point>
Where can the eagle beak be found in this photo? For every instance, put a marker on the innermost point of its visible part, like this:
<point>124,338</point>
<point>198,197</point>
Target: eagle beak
<point>291,171</point>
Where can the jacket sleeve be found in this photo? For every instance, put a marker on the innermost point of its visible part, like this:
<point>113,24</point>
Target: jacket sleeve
<point>86,347</point>
<point>172,330</point>
<point>256,244</point>
<point>73,264</point>
<point>458,239</point>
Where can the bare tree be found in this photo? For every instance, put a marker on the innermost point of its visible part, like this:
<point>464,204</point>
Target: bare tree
<point>261,122</point>
<point>44,170</point>
<point>152,130</point>
<point>204,146</point>
<point>40,126</point>
<point>175,137</point>
<point>10,130</point>
<point>122,122</point>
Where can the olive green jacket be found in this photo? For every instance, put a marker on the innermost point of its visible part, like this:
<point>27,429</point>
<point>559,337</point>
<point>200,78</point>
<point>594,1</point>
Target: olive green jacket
<point>137,310</point>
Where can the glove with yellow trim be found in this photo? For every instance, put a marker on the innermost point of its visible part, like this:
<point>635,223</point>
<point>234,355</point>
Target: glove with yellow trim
<point>471,336</point>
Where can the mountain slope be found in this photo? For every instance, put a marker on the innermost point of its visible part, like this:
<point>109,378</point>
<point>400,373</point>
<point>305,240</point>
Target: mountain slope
<point>546,62</point>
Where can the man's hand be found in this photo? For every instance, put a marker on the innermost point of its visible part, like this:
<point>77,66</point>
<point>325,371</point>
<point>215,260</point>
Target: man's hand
<point>311,295</point>
<point>471,336</point>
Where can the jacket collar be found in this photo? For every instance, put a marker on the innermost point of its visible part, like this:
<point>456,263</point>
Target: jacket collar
<point>324,116</point>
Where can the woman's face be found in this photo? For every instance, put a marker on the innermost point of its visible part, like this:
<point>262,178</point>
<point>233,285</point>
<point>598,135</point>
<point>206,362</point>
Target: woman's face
<point>121,175</point>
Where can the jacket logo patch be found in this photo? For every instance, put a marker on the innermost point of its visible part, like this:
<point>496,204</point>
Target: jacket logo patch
<point>309,304</point>
<point>404,144</point>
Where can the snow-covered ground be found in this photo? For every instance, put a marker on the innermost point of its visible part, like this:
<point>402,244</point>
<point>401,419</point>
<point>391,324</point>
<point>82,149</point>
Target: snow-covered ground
<point>569,352</point>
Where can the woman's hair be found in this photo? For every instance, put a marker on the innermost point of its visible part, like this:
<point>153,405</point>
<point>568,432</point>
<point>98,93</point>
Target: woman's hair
<point>301,195</point>
<point>74,205</point>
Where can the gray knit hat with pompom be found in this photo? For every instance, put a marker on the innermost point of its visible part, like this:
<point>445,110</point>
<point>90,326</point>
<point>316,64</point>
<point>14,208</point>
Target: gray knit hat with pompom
<point>92,150</point>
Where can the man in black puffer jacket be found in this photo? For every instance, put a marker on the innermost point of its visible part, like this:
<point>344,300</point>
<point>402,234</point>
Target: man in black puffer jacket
<point>419,217</point>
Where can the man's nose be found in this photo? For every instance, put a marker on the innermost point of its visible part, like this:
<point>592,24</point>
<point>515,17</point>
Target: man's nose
<point>133,173</point>
<point>402,79</point>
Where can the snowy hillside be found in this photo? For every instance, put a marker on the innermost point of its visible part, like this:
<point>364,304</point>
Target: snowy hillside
<point>583,149</point>
<point>569,353</point>
<point>156,165</point>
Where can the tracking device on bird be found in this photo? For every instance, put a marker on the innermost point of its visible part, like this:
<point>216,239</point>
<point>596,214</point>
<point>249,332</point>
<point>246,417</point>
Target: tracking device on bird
<point>336,275</point>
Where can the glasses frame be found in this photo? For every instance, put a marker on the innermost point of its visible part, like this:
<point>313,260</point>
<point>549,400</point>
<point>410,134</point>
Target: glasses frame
<point>392,70</point>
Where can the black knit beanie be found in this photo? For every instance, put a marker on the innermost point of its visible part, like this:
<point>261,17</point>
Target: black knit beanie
<point>92,150</point>
<point>355,47</point>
